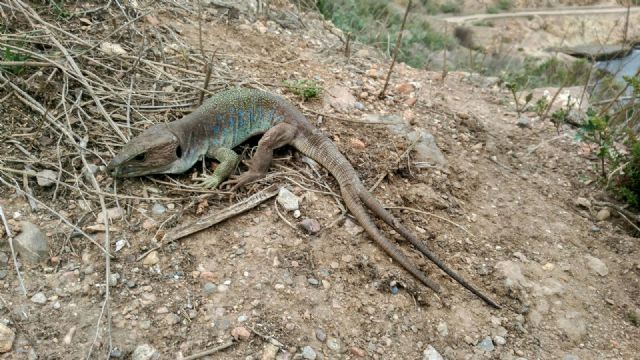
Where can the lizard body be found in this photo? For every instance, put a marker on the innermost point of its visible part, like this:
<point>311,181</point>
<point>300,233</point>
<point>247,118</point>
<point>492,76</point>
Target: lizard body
<point>230,118</point>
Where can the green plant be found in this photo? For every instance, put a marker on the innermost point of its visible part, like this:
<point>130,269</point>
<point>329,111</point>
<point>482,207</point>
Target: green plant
<point>540,106</point>
<point>304,88</point>
<point>451,7</point>
<point>596,130</point>
<point>559,118</point>
<point>57,7</point>
<point>505,5</point>
<point>513,85</point>
<point>492,9</point>
<point>634,318</point>
<point>10,55</point>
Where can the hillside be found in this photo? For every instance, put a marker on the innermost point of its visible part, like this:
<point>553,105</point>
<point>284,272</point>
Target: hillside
<point>512,208</point>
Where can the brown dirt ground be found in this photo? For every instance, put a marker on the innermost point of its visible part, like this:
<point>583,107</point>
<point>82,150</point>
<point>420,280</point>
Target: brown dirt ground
<point>519,208</point>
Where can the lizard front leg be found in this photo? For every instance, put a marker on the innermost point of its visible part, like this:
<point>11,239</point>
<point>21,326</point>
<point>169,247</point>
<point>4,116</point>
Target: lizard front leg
<point>228,160</point>
<point>278,136</point>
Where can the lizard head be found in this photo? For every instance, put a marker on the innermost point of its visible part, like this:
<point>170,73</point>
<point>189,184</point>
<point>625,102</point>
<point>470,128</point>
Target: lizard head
<point>156,150</point>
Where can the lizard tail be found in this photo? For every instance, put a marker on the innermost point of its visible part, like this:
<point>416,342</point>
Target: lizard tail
<point>377,208</point>
<point>353,202</point>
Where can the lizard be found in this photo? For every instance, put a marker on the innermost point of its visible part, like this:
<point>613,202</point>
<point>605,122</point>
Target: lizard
<point>231,117</point>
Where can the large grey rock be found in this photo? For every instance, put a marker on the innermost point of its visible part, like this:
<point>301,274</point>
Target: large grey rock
<point>31,243</point>
<point>145,352</point>
<point>46,177</point>
<point>597,265</point>
<point>430,353</point>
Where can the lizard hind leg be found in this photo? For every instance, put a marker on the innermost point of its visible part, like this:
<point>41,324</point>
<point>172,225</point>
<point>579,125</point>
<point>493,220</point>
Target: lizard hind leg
<point>276,137</point>
<point>374,205</point>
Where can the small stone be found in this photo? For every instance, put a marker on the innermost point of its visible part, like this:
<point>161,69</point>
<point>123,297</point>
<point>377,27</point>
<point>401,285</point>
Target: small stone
<point>46,178</point>
<point>360,106</point>
<point>39,298</point>
<point>113,279</point>
<point>597,265</point>
<point>243,318</point>
<point>144,352</point>
<point>357,352</point>
<point>486,344</point>
<point>333,344</point>
<point>56,305</point>
<point>308,353</point>
<point>524,122</point>
<point>603,214</point>
<point>209,288</point>
<point>6,338</point>
<point>313,281</point>
<point>223,288</point>
<point>570,357</point>
<point>120,244</point>
<point>347,258</point>
<point>372,73</point>
<point>352,228</point>
<point>297,213</point>
<point>115,353</point>
<point>443,329</point>
<point>320,335</point>
<point>311,226</point>
<point>287,199</point>
<point>4,259</point>
<point>3,274</point>
<point>171,319</point>
<point>548,267</point>
<point>31,243</point>
<point>151,259</point>
<point>240,333</point>
<point>112,214</point>
<point>499,340</point>
<point>357,144</point>
<point>149,224</point>
<point>405,88</point>
<point>582,202</point>
<point>269,352</point>
<point>430,353</point>
<point>158,209</point>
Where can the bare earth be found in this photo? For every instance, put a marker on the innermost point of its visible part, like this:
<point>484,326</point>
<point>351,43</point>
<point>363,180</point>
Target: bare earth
<point>526,242</point>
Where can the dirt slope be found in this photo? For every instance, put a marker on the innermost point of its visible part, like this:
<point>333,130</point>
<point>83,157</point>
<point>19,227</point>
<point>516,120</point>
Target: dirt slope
<point>537,252</point>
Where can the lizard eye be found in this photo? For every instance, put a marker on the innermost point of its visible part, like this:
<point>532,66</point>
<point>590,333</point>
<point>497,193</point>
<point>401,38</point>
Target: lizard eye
<point>178,151</point>
<point>140,157</point>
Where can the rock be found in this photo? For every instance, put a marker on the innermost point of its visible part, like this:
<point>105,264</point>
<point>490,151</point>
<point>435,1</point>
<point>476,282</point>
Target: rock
<point>573,325</point>
<point>46,178</point>
<point>499,340</point>
<point>512,274</point>
<point>209,288</point>
<point>31,243</point>
<point>486,344</point>
<point>287,199</point>
<point>443,329</point>
<point>269,352</point>
<point>112,214</point>
<point>113,279</point>
<point>426,149</point>
<point>243,318</point>
<point>373,73</point>
<point>240,333</point>
<point>524,122</point>
<point>313,281</point>
<point>357,144</point>
<point>39,298</point>
<point>570,357</point>
<point>603,214</point>
<point>308,353</point>
<point>4,259</point>
<point>223,288</point>
<point>158,209</point>
<point>116,353</point>
<point>352,228</point>
<point>360,106</point>
<point>582,202</point>
<point>3,274</point>
<point>405,88</point>
<point>320,335</point>
<point>6,338</point>
<point>145,352</point>
<point>151,259</point>
<point>339,98</point>
<point>597,265</point>
<point>357,352</point>
<point>333,344</point>
<point>430,353</point>
<point>120,244</point>
<point>311,226</point>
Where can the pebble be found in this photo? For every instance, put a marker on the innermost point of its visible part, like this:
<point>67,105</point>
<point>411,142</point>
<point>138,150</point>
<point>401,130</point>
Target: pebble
<point>570,357</point>
<point>333,344</point>
<point>357,144</point>
<point>582,202</point>
<point>144,352</point>
<point>113,279</point>
<point>6,338</point>
<point>115,353</point>
<point>46,178</point>
<point>3,274</point>
<point>112,214</point>
<point>320,335</point>
<point>243,318</point>
<point>313,281</point>
<point>288,200</point>
<point>597,265</point>
<point>357,352</point>
<point>499,340</point>
<point>151,259</point>
<point>486,344</point>
<point>430,353</point>
<point>223,288</point>
<point>360,106</point>
<point>240,333</point>
<point>158,209</point>
<point>39,298</point>
<point>603,214</point>
<point>269,352</point>
<point>209,288</point>
<point>56,305</point>
<point>443,329</point>
<point>308,353</point>
<point>31,243</point>
<point>4,259</point>
<point>524,122</point>
<point>311,226</point>
<point>120,244</point>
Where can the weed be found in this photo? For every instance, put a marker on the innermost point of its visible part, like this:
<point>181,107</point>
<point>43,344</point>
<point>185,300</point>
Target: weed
<point>9,55</point>
<point>634,318</point>
<point>304,88</point>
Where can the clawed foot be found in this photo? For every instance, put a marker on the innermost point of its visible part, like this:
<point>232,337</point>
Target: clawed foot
<point>239,181</point>
<point>209,182</point>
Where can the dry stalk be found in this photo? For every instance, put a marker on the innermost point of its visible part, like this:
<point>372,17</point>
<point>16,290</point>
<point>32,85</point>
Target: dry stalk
<point>395,52</point>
